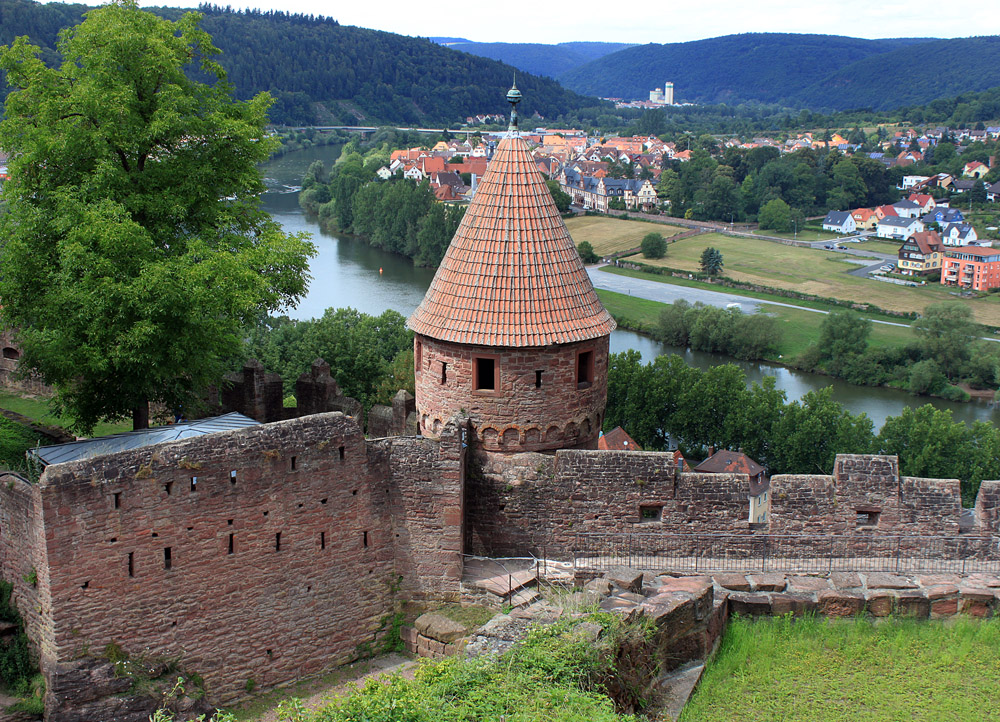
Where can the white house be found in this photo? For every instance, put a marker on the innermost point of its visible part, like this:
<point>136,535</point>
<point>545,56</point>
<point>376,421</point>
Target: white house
<point>907,209</point>
<point>839,222</point>
<point>958,234</point>
<point>899,229</point>
<point>384,173</point>
<point>911,180</point>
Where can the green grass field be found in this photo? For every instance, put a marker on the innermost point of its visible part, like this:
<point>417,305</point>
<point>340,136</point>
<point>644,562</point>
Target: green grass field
<point>799,327</point>
<point>38,410</point>
<point>804,234</point>
<point>814,670</point>
<point>816,272</point>
<point>612,235</point>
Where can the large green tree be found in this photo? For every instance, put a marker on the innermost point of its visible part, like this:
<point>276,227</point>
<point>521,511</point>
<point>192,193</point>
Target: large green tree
<point>135,247</point>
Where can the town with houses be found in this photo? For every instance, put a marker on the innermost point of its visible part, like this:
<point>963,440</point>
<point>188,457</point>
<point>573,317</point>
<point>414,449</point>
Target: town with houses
<point>608,174</point>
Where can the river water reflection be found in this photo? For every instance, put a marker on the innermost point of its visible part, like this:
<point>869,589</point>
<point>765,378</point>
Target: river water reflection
<point>348,272</point>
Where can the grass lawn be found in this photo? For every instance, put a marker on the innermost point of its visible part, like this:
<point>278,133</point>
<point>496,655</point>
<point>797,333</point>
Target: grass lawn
<point>813,670</point>
<point>812,271</point>
<point>799,327</point>
<point>804,234</point>
<point>38,410</point>
<point>762,295</point>
<point>612,235</point>
<point>633,308</point>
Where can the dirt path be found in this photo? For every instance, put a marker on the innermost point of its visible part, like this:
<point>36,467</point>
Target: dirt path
<point>321,691</point>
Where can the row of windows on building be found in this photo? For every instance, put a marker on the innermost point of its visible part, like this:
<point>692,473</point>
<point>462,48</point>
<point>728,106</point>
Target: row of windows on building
<point>486,371</point>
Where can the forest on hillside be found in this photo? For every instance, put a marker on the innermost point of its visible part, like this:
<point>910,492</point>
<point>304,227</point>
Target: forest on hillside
<point>821,72</point>
<point>322,72</point>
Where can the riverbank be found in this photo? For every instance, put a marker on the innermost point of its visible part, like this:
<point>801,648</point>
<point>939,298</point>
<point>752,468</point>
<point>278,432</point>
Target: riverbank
<point>800,331</point>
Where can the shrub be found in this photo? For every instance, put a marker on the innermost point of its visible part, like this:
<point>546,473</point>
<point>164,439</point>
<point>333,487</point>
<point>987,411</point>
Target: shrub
<point>586,251</point>
<point>654,245</point>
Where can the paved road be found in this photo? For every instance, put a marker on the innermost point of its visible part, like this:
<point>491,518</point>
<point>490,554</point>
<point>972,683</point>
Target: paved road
<point>669,292</point>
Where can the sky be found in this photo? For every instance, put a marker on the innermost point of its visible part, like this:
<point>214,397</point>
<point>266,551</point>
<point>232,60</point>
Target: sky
<point>600,20</point>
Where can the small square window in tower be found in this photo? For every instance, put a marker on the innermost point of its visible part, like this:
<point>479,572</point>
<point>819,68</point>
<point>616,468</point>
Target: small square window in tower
<point>584,369</point>
<point>485,374</point>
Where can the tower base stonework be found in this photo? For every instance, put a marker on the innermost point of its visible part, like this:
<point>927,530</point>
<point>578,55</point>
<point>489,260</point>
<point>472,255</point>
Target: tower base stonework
<point>541,398</point>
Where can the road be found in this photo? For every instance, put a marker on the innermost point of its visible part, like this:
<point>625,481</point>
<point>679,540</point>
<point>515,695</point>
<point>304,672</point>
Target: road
<point>669,292</point>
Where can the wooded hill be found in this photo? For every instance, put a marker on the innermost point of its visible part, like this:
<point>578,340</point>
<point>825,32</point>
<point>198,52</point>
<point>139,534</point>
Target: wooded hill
<point>322,72</point>
<point>821,72</point>
<point>537,58</point>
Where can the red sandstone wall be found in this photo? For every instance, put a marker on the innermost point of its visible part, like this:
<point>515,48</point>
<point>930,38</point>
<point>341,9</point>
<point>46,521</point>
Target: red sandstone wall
<point>427,490</point>
<point>22,552</point>
<point>530,503</point>
<point>517,416</point>
<point>830,504</point>
<point>261,613</point>
<point>988,508</point>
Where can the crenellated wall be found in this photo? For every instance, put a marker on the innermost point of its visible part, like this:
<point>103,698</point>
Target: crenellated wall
<point>865,495</point>
<point>533,502</point>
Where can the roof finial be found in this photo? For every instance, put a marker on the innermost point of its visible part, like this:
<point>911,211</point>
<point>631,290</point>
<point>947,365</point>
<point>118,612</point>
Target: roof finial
<point>513,97</point>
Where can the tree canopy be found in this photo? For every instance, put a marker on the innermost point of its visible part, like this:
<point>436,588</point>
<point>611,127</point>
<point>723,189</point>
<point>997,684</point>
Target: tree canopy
<point>136,249</point>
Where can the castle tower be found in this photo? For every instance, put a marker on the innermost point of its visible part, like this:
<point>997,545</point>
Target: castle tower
<point>511,330</point>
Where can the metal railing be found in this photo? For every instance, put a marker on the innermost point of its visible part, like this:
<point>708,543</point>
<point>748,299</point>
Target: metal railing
<point>787,553</point>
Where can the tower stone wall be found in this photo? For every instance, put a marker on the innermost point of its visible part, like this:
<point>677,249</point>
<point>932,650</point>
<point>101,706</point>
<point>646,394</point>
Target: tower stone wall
<point>538,402</point>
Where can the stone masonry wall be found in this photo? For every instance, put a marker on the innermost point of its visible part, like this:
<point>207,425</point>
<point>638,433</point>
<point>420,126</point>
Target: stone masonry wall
<point>988,508</point>
<point>22,555</point>
<point>864,496</point>
<point>267,553</point>
<point>532,502</point>
<point>517,415</point>
<point>427,487</point>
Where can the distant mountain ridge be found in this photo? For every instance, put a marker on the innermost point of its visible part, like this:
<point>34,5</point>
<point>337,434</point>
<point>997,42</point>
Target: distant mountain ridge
<point>538,58</point>
<point>822,72</point>
<point>322,72</point>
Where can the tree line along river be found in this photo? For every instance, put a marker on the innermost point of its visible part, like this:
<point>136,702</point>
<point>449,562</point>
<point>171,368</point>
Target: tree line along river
<point>349,272</point>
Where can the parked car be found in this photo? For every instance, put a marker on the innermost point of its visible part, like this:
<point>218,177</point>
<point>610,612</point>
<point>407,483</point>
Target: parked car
<point>828,246</point>
<point>888,267</point>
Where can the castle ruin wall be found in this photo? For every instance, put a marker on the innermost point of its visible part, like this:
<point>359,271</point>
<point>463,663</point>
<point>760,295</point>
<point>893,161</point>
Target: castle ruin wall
<point>534,503</point>
<point>263,554</point>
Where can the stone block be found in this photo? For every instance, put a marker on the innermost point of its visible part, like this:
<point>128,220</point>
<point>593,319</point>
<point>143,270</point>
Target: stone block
<point>940,591</point>
<point>796,604</point>
<point>770,582</point>
<point>840,603</point>
<point>802,585</point>
<point>912,603</point>
<point>845,580</point>
<point>733,582</point>
<point>976,602</point>
<point>625,578</point>
<point>879,602</point>
<point>438,627</point>
<point>944,607</point>
<point>694,585</point>
<point>408,635</point>
<point>748,604</point>
<point>632,597</point>
<point>883,580</point>
<point>601,586</point>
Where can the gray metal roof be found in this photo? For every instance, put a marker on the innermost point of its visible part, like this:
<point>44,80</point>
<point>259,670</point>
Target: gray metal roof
<point>89,448</point>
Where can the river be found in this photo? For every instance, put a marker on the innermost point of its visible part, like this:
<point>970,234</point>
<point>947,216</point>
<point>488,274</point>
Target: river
<point>348,272</point>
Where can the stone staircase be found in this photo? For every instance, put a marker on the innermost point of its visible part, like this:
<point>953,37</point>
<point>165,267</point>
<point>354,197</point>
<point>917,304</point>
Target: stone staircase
<point>515,590</point>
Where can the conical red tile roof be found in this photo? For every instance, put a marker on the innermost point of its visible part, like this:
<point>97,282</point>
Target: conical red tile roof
<point>512,276</point>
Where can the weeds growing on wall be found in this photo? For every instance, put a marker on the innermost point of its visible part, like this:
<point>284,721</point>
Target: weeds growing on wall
<point>17,669</point>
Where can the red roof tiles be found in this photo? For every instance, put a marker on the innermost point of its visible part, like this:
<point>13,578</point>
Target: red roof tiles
<point>512,276</point>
